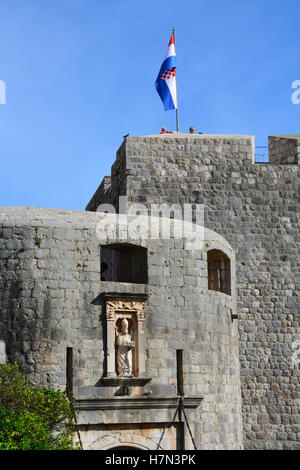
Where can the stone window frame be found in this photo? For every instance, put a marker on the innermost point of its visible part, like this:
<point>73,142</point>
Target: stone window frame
<point>219,268</point>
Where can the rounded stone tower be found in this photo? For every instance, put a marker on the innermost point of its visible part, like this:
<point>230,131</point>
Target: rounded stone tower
<point>126,322</point>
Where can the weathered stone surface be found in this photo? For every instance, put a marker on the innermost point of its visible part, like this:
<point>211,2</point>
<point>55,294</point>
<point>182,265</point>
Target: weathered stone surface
<point>255,208</point>
<point>50,303</point>
<point>50,293</point>
<point>2,353</point>
<point>284,149</point>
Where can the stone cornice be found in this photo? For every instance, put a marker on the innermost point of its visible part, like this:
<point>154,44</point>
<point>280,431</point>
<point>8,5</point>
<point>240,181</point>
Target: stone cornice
<point>120,381</point>
<point>135,403</point>
<point>126,296</point>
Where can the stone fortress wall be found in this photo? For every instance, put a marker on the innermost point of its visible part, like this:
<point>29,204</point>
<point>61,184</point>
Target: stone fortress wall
<point>255,207</point>
<point>52,299</point>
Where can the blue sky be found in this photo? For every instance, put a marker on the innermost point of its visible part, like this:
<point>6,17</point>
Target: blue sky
<point>80,74</point>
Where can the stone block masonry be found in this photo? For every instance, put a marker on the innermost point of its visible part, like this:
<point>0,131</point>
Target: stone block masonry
<point>255,208</point>
<point>52,299</point>
<point>241,346</point>
<point>284,149</point>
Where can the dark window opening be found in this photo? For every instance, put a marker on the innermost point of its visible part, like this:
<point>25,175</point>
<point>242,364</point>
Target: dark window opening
<point>124,263</point>
<point>179,369</point>
<point>69,373</point>
<point>219,275</point>
<point>104,268</point>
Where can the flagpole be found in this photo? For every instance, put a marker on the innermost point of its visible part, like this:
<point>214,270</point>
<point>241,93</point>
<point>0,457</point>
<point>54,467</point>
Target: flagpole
<point>177,122</point>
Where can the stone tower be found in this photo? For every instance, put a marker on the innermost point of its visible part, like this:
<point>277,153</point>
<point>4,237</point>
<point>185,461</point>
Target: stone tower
<point>93,302</point>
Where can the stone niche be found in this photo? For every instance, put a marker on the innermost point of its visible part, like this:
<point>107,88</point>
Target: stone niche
<point>125,351</point>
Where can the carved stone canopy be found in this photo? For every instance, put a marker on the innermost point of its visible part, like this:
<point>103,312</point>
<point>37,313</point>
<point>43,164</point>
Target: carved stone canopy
<point>115,306</point>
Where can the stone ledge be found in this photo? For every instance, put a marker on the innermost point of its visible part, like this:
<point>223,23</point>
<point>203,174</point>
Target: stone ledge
<point>183,135</point>
<point>120,381</point>
<point>110,290</point>
<point>135,403</point>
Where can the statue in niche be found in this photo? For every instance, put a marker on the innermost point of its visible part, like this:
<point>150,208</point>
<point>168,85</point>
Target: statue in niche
<point>124,346</point>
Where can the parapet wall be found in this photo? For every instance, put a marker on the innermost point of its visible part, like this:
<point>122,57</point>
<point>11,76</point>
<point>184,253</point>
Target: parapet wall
<point>284,149</point>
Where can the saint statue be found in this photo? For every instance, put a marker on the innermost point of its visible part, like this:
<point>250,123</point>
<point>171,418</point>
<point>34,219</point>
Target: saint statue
<point>124,345</point>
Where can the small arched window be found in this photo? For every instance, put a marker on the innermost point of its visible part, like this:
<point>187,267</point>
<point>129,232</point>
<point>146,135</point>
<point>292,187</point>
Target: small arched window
<point>124,262</point>
<point>219,275</point>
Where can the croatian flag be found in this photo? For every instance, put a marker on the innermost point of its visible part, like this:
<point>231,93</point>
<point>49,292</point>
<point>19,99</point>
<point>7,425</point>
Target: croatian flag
<point>166,79</point>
